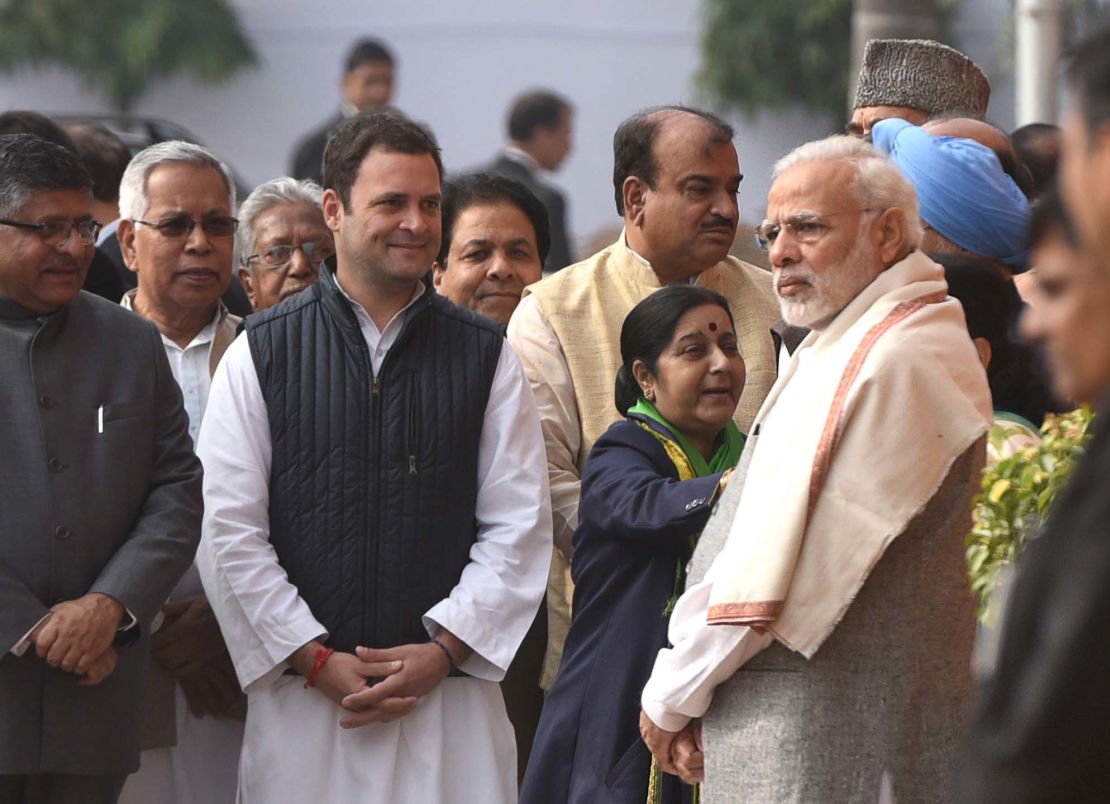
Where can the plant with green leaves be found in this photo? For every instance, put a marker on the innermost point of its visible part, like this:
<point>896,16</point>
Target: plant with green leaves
<point>119,47</point>
<point>1017,494</point>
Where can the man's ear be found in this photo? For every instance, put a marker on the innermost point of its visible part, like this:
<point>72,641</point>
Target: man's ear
<point>247,281</point>
<point>332,205</point>
<point>632,193</point>
<point>983,347</point>
<point>437,275</point>
<point>126,235</point>
<point>893,235</point>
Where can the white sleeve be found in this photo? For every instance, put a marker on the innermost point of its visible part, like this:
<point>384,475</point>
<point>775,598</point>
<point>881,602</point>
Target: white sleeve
<point>541,354</point>
<point>704,656</point>
<point>262,615</point>
<point>499,592</point>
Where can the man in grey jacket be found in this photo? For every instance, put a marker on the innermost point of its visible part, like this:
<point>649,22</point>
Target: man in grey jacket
<point>99,492</point>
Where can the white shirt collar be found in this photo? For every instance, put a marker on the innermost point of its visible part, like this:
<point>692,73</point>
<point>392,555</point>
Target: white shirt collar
<point>522,157</point>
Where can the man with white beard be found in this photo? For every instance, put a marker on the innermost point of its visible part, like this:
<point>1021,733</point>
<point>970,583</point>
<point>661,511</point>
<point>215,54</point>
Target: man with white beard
<point>827,648</point>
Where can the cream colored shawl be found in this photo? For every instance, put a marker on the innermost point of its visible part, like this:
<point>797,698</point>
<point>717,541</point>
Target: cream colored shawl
<point>856,436</point>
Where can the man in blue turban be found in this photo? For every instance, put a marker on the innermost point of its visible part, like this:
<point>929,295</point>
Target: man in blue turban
<point>968,203</point>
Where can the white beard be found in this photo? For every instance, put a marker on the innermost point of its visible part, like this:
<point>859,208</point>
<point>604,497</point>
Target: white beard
<point>830,291</point>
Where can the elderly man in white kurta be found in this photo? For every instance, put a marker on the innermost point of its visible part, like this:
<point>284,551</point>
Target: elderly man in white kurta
<point>842,561</point>
<point>377,528</point>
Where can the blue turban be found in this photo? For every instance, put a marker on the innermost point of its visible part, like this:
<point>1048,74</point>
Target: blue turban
<point>963,192</point>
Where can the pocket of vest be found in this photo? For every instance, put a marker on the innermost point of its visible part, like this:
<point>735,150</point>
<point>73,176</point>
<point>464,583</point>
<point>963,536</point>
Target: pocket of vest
<point>414,413</point>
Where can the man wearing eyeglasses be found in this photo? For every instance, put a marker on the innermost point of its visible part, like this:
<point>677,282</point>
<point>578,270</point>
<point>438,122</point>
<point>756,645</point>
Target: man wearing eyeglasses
<point>283,240</point>
<point>99,493</point>
<point>824,638</point>
<point>177,234</point>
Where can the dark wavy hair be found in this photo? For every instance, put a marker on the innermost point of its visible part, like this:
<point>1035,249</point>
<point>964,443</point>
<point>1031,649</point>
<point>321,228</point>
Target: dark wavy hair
<point>649,327</point>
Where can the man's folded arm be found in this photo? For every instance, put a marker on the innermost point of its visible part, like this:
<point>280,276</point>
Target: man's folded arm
<point>262,615</point>
<point>496,599</point>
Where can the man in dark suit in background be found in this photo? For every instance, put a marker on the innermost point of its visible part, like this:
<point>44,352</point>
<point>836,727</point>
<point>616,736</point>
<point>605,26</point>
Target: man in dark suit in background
<point>100,499</point>
<point>367,83</point>
<point>540,124</point>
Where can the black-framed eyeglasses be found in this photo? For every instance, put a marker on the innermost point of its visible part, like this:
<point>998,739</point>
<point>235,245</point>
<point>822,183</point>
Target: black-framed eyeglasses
<point>55,233</point>
<point>275,257</point>
<point>183,225</point>
<point>804,227</point>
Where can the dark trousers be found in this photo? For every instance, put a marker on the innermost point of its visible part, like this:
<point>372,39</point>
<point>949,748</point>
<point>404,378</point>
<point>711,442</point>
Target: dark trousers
<point>60,788</point>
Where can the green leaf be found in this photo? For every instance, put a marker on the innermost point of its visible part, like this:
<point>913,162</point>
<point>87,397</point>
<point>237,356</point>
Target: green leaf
<point>121,47</point>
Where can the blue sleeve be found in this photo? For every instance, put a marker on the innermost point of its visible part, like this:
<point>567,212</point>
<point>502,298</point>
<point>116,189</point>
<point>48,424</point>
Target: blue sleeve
<point>630,491</point>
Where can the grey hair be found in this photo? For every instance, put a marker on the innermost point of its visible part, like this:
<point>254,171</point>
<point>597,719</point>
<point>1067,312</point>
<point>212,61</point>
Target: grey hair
<point>879,183</point>
<point>283,190</point>
<point>133,201</point>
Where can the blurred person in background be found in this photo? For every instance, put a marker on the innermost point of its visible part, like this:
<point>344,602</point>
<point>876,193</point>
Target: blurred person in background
<point>540,128</point>
<point>105,157</point>
<point>1042,725</point>
<point>367,83</point>
<point>283,240</point>
<point>1038,146</point>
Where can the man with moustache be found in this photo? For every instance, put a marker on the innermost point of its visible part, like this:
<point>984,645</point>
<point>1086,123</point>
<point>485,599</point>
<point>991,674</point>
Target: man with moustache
<point>1042,726</point>
<point>675,178</point>
<point>376,508</point>
<point>99,493</point>
<point>826,630</point>
<point>495,240</point>
<point>176,234</point>
<point>283,240</point>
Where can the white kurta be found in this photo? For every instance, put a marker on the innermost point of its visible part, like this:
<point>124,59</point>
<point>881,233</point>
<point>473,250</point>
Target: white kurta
<point>201,767</point>
<point>457,745</point>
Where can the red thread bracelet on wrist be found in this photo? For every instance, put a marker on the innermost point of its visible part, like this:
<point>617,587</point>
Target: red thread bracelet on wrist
<point>319,659</point>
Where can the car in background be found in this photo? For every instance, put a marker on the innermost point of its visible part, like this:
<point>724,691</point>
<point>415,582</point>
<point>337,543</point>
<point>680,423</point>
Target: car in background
<point>139,131</point>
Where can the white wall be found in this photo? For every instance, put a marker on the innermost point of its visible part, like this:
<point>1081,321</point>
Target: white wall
<point>460,63</point>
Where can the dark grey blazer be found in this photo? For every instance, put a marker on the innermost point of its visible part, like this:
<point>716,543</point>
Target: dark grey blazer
<point>81,511</point>
<point>559,256</point>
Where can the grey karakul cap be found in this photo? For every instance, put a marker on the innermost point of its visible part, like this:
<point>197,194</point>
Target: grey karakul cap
<point>921,74</point>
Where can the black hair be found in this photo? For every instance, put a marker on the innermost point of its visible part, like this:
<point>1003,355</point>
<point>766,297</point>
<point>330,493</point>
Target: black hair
<point>367,51</point>
<point>634,144</point>
<point>29,164</point>
<point>353,140</point>
<point>1050,217</point>
<point>991,306</point>
<point>1038,147</point>
<point>535,109</point>
<point>459,194</point>
<point>1088,73</point>
<point>104,155</point>
<point>649,327</point>
<point>25,122</point>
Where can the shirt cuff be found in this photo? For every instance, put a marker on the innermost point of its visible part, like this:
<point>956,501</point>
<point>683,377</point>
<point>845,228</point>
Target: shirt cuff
<point>23,644</point>
<point>661,717</point>
<point>448,615</point>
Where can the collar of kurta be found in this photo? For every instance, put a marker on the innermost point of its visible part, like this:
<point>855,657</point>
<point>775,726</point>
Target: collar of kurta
<point>856,436</point>
<point>11,310</point>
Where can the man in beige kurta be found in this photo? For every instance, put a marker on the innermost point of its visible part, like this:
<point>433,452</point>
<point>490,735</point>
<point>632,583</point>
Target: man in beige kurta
<point>676,178</point>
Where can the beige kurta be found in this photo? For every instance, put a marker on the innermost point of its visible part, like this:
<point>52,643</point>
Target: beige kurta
<point>567,333</point>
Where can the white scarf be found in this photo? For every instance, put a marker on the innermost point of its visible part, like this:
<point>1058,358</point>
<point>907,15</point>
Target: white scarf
<point>854,439</point>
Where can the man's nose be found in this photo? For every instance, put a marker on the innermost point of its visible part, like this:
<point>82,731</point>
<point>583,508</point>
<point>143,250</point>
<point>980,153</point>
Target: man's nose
<point>416,220</point>
<point>784,250</point>
<point>73,246</point>
<point>197,240</point>
<point>300,264</point>
<point>500,267</point>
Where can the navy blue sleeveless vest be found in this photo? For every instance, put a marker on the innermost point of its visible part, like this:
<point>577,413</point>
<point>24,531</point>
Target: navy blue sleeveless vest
<point>374,479</point>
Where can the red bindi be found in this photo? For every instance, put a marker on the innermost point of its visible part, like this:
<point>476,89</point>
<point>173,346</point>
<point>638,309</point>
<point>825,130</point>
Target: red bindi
<point>712,327</point>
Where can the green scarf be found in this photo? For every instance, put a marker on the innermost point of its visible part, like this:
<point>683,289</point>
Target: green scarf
<point>726,456</point>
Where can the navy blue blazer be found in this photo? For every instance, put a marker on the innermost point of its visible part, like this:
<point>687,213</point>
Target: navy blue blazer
<point>635,522</point>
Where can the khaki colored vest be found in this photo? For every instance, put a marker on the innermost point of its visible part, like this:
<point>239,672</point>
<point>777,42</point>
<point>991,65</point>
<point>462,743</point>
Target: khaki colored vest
<point>586,305</point>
